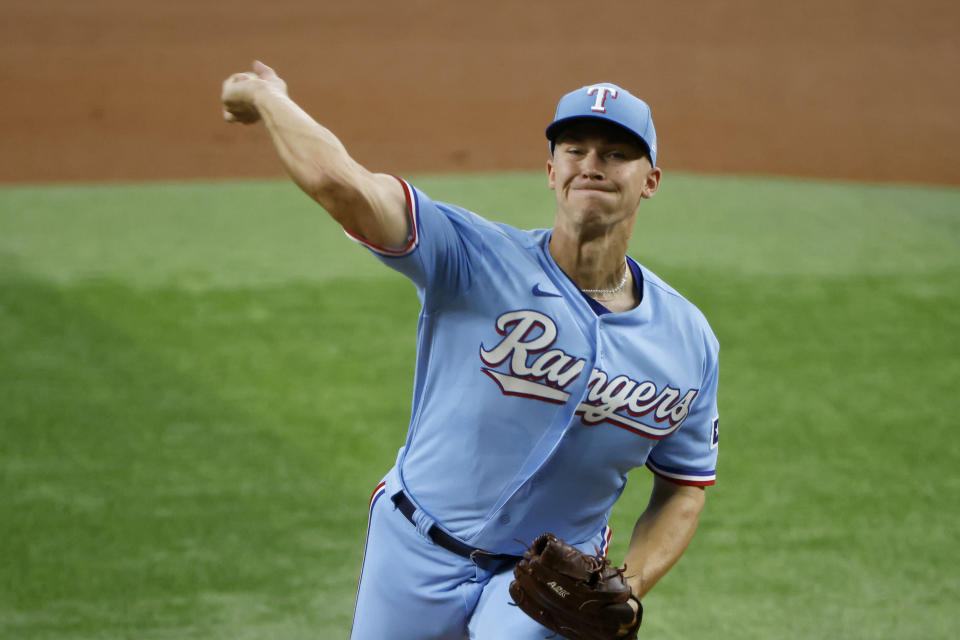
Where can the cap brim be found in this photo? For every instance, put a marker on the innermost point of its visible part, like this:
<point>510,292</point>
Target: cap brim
<point>557,126</point>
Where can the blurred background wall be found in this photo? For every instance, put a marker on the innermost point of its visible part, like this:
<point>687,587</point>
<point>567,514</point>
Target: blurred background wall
<point>128,90</point>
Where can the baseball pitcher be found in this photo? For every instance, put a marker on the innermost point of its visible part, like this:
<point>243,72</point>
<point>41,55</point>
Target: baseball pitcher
<point>549,365</point>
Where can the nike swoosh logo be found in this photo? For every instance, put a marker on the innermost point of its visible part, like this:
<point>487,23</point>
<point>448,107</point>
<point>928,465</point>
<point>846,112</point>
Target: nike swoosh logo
<point>537,291</point>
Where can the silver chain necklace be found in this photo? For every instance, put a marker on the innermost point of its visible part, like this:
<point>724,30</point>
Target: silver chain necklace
<point>616,289</point>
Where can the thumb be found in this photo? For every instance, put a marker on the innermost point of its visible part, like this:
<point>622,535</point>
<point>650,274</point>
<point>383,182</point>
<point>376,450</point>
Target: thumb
<point>263,70</point>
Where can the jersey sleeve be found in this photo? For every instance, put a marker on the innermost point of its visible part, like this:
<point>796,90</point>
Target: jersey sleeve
<point>442,249</point>
<point>689,455</point>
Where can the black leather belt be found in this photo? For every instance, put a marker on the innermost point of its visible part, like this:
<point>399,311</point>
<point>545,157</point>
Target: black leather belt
<point>483,559</point>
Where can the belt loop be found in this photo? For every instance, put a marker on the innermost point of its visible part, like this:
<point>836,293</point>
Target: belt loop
<point>423,523</point>
<point>414,514</point>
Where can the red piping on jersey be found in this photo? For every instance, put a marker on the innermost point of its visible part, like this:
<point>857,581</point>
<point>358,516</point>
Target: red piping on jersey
<point>413,226</point>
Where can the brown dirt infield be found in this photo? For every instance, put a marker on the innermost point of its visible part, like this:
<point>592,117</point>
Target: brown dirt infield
<point>128,90</point>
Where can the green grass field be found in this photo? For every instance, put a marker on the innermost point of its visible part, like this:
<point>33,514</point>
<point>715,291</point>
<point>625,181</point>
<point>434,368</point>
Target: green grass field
<point>200,385</point>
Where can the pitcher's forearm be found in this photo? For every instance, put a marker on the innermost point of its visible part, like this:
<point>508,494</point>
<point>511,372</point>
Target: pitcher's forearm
<point>371,206</point>
<point>662,534</point>
<point>312,155</point>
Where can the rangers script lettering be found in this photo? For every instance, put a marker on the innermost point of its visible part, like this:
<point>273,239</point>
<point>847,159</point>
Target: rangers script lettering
<point>517,327</point>
<point>527,334</point>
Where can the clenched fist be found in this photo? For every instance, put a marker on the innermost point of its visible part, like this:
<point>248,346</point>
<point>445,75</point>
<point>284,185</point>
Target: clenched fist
<point>241,90</point>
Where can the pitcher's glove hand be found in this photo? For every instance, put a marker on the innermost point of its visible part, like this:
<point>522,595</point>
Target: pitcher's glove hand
<point>578,596</point>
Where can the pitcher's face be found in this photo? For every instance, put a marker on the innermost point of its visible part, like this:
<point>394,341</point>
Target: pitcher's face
<point>599,173</point>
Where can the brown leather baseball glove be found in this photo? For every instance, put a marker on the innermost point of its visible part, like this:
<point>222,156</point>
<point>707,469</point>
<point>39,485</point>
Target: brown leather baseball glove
<point>578,596</point>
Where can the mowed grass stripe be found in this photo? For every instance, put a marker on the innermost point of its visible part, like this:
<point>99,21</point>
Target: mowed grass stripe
<point>168,448</point>
<point>203,235</point>
<point>170,454</point>
<point>200,384</point>
<point>837,482</point>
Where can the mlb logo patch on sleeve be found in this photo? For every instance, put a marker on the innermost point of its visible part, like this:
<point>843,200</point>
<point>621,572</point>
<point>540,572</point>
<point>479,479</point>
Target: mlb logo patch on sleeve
<point>715,438</point>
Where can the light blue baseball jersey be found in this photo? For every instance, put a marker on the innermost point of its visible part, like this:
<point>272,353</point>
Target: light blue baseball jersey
<point>529,407</point>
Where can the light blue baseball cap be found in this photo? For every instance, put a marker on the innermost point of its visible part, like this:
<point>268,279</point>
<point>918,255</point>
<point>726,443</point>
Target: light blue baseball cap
<point>609,102</point>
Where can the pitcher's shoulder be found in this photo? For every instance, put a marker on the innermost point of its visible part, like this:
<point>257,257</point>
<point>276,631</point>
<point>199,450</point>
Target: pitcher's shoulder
<point>676,306</point>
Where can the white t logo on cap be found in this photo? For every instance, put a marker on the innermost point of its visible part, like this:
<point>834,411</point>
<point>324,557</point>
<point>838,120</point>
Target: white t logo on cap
<point>601,93</point>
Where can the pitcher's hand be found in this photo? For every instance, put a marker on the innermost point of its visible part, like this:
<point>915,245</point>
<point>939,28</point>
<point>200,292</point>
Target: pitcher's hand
<point>240,92</point>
